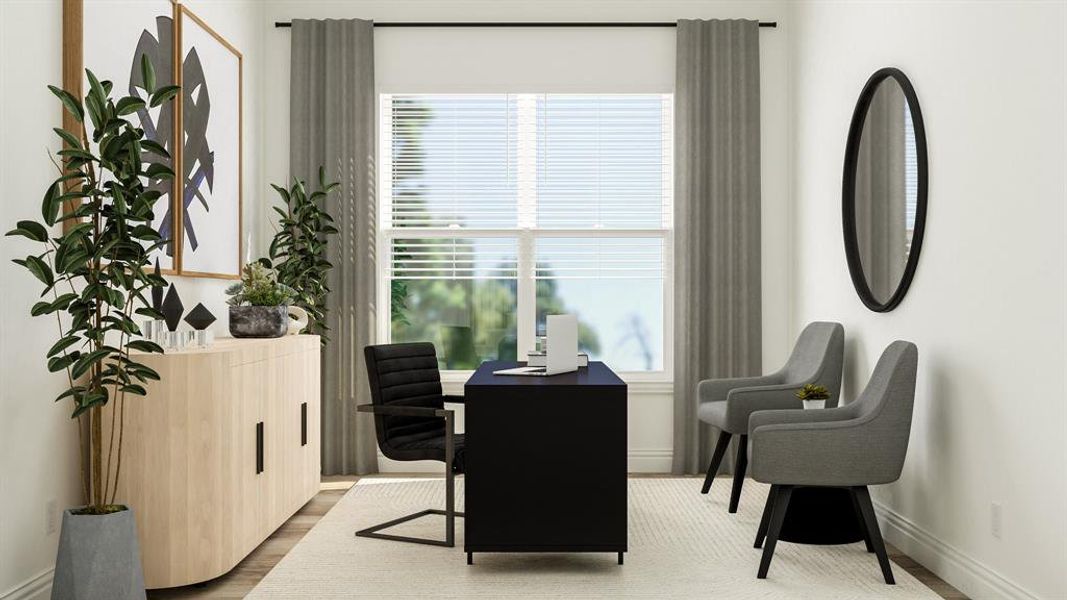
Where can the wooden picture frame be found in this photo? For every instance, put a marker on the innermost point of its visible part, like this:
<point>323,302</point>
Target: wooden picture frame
<point>182,14</point>
<point>114,53</point>
<point>73,54</point>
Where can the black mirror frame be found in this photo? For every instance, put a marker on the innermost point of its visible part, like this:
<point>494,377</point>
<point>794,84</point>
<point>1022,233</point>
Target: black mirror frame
<point>848,190</point>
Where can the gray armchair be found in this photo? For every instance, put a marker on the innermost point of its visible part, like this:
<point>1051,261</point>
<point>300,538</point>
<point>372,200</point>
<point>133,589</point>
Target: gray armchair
<point>854,446</point>
<point>727,403</point>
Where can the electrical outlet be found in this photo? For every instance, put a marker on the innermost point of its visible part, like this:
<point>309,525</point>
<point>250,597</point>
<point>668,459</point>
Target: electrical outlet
<point>51,516</point>
<point>995,520</point>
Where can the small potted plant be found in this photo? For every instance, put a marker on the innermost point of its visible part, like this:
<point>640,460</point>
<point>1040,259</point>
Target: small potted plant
<point>259,305</point>
<point>814,396</point>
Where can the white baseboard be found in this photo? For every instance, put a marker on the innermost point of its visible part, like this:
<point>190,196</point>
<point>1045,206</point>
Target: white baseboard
<point>38,587</point>
<point>637,461</point>
<point>959,570</point>
<point>649,461</point>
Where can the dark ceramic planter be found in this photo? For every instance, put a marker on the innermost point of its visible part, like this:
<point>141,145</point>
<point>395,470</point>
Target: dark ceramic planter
<point>259,321</point>
<point>98,557</point>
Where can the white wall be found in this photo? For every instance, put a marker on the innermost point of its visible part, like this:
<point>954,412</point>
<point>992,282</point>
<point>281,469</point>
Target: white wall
<point>38,441</point>
<point>986,307</point>
<point>561,60</point>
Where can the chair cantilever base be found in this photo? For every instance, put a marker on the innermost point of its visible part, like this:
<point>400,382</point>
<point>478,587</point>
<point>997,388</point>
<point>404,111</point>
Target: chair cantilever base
<point>372,532</point>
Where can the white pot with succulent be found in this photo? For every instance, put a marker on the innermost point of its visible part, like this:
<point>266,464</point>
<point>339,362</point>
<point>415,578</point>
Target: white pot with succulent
<point>813,396</point>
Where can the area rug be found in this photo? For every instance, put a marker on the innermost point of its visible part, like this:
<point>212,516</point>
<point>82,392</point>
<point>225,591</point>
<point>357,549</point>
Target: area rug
<point>682,545</point>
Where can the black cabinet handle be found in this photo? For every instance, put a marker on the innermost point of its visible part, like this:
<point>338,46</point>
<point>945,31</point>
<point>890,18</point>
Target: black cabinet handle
<point>259,447</point>
<point>303,423</point>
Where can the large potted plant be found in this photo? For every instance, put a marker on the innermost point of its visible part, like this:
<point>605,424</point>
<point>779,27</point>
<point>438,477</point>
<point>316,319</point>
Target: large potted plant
<point>298,250</point>
<point>96,278</point>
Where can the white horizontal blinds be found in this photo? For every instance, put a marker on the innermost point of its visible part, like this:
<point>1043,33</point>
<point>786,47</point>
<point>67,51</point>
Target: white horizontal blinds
<point>603,161</point>
<point>453,258</point>
<point>599,258</point>
<point>453,161</point>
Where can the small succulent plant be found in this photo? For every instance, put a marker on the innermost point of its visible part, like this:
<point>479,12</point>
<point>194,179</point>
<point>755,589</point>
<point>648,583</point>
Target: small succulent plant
<point>259,287</point>
<point>813,392</point>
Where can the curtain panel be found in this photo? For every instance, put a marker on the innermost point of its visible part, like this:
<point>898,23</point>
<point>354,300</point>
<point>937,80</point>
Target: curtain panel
<point>717,300</point>
<point>331,123</point>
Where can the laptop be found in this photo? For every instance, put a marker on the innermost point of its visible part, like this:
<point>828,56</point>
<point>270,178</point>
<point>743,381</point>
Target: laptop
<point>561,349</point>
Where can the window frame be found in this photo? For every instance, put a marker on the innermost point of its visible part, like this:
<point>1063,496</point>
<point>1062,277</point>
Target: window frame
<point>526,236</point>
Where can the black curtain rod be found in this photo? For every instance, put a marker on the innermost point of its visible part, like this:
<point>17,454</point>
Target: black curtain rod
<point>524,24</point>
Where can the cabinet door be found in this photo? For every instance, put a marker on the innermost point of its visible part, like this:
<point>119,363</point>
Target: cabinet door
<point>289,400</point>
<point>298,400</point>
<point>250,455</point>
<point>310,381</point>
<point>285,438</point>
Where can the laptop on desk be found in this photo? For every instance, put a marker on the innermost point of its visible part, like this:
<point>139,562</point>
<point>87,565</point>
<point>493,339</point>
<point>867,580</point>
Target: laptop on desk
<point>561,349</point>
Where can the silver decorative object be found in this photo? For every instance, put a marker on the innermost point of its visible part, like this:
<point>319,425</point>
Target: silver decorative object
<point>204,338</point>
<point>175,340</point>
<point>153,330</point>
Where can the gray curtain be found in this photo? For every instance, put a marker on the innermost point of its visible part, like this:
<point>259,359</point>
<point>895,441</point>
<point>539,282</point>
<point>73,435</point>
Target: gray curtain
<point>881,231</point>
<point>717,312</point>
<point>331,123</point>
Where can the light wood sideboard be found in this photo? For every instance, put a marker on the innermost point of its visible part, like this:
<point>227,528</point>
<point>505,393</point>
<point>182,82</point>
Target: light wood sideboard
<point>221,452</point>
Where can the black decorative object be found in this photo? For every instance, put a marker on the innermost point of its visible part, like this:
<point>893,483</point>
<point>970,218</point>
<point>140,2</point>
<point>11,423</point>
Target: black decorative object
<point>259,321</point>
<point>172,308</point>
<point>200,317</point>
<point>854,228</point>
<point>157,291</point>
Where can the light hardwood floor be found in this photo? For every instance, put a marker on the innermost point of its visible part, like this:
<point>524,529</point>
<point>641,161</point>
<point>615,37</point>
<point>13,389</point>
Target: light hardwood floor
<point>240,581</point>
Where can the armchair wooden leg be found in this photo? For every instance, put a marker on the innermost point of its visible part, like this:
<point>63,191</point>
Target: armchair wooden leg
<point>716,460</point>
<point>761,533</point>
<point>774,528</point>
<point>740,466</point>
<point>863,498</point>
<point>862,522</point>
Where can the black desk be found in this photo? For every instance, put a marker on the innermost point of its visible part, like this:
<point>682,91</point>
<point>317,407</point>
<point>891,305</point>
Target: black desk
<point>545,462</point>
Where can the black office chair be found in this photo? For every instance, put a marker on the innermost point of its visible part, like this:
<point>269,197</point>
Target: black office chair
<point>412,424</point>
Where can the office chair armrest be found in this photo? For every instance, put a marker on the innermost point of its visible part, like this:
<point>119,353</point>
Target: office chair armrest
<point>405,411</point>
<point>844,452</point>
<point>743,401</point>
<point>716,390</point>
<point>454,399</point>
<point>790,416</point>
<point>777,395</point>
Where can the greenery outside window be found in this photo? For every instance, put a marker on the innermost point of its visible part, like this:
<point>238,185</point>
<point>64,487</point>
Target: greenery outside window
<point>499,209</point>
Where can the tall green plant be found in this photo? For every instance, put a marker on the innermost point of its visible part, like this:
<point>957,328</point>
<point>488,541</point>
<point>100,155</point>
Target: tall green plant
<point>298,250</point>
<point>95,274</point>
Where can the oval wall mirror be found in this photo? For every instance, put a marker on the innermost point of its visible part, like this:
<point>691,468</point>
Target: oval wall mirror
<point>884,189</point>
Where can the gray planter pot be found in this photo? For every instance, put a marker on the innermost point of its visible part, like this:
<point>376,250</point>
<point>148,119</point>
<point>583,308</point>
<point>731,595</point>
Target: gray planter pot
<point>259,321</point>
<point>98,558</point>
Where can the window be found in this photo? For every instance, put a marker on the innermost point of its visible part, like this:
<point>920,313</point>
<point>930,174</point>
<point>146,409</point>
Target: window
<point>499,209</point>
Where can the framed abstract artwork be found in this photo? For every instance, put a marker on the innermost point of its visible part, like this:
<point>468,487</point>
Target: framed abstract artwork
<point>147,29</point>
<point>210,163</point>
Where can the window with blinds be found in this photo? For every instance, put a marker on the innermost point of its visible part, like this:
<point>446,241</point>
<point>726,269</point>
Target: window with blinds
<point>454,161</point>
<point>499,209</point>
<point>603,161</point>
